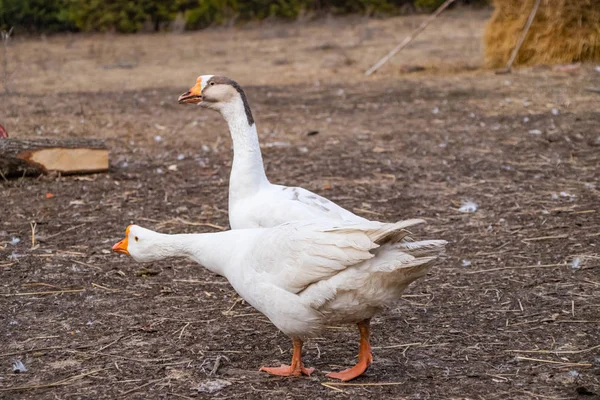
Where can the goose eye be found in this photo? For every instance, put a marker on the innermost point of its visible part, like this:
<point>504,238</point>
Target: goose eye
<point>212,84</point>
<point>137,239</point>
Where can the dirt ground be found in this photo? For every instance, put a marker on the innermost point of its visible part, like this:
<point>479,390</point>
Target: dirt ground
<point>511,313</point>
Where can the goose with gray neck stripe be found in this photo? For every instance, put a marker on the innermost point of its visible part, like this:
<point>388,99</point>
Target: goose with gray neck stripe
<point>253,201</point>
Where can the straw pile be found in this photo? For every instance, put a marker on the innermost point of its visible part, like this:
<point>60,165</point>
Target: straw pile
<point>563,31</point>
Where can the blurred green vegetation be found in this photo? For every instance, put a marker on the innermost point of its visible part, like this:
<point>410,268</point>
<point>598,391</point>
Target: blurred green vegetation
<point>129,16</point>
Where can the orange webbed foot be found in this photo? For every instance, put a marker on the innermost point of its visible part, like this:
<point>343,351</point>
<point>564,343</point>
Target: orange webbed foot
<point>350,373</point>
<point>297,367</point>
<point>287,370</point>
<point>365,357</point>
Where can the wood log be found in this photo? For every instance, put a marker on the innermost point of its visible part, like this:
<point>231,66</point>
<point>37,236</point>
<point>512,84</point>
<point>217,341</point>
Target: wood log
<point>20,157</point>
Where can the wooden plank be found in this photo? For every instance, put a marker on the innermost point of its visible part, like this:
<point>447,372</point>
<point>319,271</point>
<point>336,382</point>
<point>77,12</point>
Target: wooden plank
<point>37,156</point>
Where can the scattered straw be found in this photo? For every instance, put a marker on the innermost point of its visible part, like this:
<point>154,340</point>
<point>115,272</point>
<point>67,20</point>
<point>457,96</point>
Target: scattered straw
<point>536,239</point>
<point>366,384</point>
<point>105,288</point>
<point>62,382</point>
<point>33,226</point>
<point>143,386</point>
<point>555,351</point>
<point>43,293</point>
<point>395,346</point>
<point>523,267</point>
<point>86,264</point>
<point>329,385</point>
<point>34,350</point>
<point>564,364</point>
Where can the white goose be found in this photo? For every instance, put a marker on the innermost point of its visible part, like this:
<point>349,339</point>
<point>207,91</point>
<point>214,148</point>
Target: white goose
<point>253,201</point>
<point>304,275</point>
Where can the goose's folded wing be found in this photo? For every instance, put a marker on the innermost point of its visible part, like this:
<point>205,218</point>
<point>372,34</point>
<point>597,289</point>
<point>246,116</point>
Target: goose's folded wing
<point>311,204</point>
<point>297,254</point>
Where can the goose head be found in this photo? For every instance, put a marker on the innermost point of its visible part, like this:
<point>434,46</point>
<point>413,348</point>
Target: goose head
<point>142,244</point>
<point>218,93</point>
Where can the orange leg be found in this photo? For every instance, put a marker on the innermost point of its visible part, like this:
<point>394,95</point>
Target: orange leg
<point>365,358</point>
<point>296,368</point>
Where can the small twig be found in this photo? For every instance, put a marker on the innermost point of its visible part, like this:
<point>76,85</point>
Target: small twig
<point>108,345</point>
<point>399,345</point>
<point>142,386</point>
<point>576,321</point>
<point>217,365</point>
<point>34,350</point>
<point>33,284</point>
<point>65,231</point>
<point>409,38</point>
<point>33,225</point>
<point>536,239</point>
<point>183,329</point>
<point>43,293</point>
<point>228,312</point>
<point>40,338</point>
<point>86,264</point>
<point>524,267</point>
<point>330,386</point>
<point>182,396</point>
<point>366,384</point>
<point>141,360</point>
<point>62,382</point>
<point>555,351</point>
<point>554,362</point>
<point>367,211</point>
<point>515,51</point>
<point>593,89</point>
<point>104,287</point>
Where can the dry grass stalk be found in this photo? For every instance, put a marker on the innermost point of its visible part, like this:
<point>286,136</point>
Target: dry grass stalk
<point>523,267</point>
<point>535,239</point>
<point>142,386</point>
<point>555,351</point>
<point>43,293</point>
<point>104,287</point>
<point>62,382</point>
<point>564,364</point>
<point>562,32</point>
<point>5,37</point>
<point>365,384</point>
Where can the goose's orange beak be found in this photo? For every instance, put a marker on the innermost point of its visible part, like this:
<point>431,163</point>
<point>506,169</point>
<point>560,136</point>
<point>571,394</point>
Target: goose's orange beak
<point>122,246</point>
<point>194,95</point>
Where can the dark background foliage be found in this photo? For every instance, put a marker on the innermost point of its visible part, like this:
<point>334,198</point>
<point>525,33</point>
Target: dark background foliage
<point>128,16</point>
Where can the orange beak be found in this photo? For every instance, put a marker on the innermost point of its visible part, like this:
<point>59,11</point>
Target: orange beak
<point>121,247</point>
<point>194,95</point>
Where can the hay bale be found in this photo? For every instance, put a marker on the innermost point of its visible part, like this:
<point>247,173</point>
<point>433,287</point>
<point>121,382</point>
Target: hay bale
<point>563,31</point>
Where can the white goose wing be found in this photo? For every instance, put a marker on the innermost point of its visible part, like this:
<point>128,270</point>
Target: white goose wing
<point>295,255</point>
<point>295,203</point>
